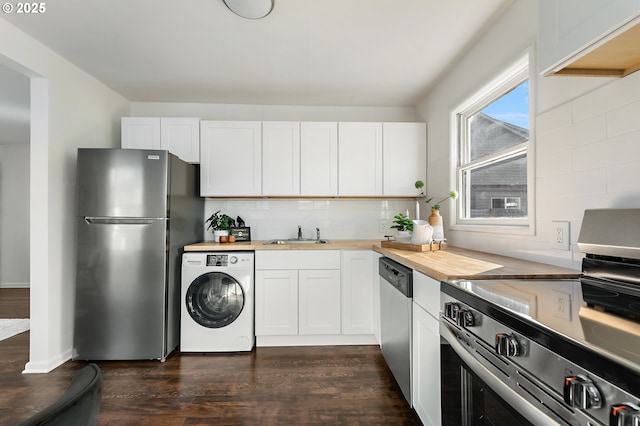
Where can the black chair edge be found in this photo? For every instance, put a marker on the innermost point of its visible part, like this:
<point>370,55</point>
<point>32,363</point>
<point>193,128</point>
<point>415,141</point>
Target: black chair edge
<point>78,406</point>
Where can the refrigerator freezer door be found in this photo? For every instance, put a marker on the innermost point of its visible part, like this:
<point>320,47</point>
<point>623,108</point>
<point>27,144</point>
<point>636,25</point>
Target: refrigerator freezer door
<point>122,183</point>
<point>120,289</point>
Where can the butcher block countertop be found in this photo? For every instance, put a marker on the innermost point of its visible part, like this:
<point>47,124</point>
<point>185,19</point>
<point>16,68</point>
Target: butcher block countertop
<point>457,263</point>
<point>452,263</point>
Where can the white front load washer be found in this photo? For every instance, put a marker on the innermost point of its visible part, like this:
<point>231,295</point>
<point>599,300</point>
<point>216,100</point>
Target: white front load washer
<point>217,313</point>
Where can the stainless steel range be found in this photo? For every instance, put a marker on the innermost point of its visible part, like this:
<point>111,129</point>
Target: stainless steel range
<point>550,352</point>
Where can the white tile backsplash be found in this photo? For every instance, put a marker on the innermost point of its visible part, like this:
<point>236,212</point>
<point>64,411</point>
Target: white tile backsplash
<point>617,93</point>
<point>624,179</point>
<point>590,130</point>
<point>624,120</point>
<point>556,118</point>
<point>336,218</point>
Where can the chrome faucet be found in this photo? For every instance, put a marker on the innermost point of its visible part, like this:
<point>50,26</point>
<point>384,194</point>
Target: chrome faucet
<point>299,232</point>
<point>318,234</point>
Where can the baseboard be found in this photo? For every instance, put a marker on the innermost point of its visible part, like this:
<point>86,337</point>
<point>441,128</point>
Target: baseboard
<point>45,367</point>
<point>15,285</point>
<point>316,340</point>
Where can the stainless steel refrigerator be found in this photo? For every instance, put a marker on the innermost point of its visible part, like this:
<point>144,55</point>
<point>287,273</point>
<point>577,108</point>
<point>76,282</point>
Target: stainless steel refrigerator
<point>136,209</point>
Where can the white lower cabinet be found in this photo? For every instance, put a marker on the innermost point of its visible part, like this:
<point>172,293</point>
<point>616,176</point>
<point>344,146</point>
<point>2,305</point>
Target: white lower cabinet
<point>319,301</point>
<point>297,292</point>
<point>276,302</point>
<point>359,275</point>
<point>320,297</point>
<point>426,349</point>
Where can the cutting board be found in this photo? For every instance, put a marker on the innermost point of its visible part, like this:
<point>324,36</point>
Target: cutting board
<point>413,247</point>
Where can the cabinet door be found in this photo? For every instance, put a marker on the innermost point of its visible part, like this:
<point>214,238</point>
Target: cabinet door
<point>281,158</point>
<point>230,158</point>
<point>360,159</point>
<point>319,309</point>
<point>357,291</point>
<point>276,302</point>
<point>140,132</point>
<point>181,136</point>
<point>404,159</point>
<point>426,366</point>
<point>319,159</point>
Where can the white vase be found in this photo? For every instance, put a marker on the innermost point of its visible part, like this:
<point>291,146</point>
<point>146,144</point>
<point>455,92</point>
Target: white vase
<point>218,233</point>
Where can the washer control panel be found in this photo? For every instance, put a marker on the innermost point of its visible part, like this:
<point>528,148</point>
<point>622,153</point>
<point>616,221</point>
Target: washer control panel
<point>218,260</point>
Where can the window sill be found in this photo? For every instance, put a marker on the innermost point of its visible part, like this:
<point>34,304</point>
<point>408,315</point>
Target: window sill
<point>513,229</point>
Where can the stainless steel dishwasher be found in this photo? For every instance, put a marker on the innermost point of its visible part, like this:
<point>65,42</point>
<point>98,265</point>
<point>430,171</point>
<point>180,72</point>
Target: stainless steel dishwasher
<point>396,295</point>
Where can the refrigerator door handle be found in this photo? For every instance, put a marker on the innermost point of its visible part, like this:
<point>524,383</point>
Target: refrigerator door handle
<point>93,220</point>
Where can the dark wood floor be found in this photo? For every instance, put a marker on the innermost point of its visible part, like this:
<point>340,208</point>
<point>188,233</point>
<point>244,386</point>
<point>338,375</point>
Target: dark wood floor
<point>270,386</point>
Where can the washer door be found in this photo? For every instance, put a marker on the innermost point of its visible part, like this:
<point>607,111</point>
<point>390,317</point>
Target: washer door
<point>215,299</point>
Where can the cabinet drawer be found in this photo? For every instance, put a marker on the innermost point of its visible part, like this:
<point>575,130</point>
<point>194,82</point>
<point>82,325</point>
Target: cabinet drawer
<point>426,293</point>
<point>297,259</point>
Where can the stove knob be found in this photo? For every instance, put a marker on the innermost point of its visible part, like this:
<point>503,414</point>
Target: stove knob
<point>507,345</point>
<point>626,414</point>
<point>451,310</point>
<point>464,318</point>
<point>580,392</point>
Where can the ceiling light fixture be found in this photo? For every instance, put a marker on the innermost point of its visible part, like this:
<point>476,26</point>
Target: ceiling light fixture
<point>250,9</point>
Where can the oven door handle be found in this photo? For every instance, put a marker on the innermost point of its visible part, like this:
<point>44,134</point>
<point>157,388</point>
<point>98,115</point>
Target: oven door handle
<point>521,405</point>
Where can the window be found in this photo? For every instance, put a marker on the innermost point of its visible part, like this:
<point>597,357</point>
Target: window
<point>493,166</point>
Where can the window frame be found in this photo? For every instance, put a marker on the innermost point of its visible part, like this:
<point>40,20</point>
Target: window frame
<point>520,70</point>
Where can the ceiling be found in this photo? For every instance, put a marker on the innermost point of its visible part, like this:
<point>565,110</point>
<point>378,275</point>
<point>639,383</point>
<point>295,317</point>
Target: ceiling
<point>306,52</point>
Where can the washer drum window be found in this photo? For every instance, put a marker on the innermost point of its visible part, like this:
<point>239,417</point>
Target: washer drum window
<point>215,300</point>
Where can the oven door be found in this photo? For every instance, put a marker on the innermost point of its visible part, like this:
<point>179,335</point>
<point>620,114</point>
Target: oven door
<point>474,395</point>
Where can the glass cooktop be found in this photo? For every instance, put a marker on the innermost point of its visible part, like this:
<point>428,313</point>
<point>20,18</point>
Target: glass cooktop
<point>558,306</point>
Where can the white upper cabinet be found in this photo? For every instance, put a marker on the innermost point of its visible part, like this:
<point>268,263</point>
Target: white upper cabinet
<point>231,158</point>
<point>311,159</point>
<point>360,159</point>
<point>180,136</point>
<point>280,158</point>
<point>140,132</point>
<point>318,159</point>
<point>404,158</point>
<point>588,37</point>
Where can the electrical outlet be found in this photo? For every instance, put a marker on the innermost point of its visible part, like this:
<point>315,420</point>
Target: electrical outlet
<point>561,305</point>
<point>382,226</point>
<point>560,235</point>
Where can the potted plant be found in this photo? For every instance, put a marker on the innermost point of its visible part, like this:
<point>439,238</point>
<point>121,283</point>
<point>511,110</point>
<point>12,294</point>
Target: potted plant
<point>404,225</point>
<point>220,224</point>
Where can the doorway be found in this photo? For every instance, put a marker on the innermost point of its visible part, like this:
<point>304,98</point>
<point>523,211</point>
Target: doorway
<point>15,120</point>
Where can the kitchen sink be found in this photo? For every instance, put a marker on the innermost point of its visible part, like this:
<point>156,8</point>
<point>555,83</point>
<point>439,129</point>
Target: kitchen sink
<point>296,241</point>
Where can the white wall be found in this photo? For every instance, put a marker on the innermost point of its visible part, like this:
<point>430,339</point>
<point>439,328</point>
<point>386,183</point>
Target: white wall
<point>585,150</point>
<point>14,215</point>
<point>69,109</point>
